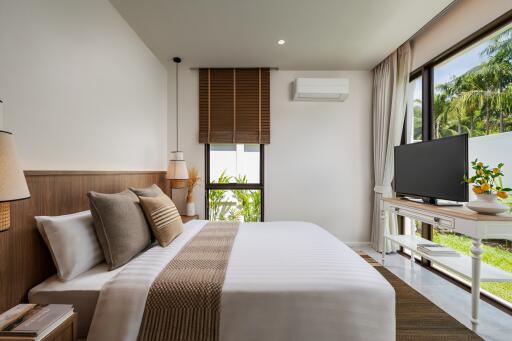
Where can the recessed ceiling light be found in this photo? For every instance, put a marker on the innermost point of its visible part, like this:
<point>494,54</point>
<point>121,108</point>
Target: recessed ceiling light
<point>281,42</point>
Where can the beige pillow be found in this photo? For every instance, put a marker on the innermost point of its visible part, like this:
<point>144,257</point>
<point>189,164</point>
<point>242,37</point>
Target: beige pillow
<point>120,226</point>
<point>151,191</point>
<point>164,218</point>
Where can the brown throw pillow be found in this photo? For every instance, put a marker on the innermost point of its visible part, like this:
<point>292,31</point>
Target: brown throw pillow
<point>163,217</point>
<point>151,191</point>
<point>120,226</point>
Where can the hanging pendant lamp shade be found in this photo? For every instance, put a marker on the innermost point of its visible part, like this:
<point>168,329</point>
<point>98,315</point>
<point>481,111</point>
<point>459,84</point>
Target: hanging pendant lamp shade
<point>177,167</point>
<point>177,171</point>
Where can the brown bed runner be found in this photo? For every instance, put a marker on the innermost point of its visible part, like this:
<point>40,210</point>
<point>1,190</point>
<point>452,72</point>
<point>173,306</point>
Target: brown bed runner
<point>183,302</point>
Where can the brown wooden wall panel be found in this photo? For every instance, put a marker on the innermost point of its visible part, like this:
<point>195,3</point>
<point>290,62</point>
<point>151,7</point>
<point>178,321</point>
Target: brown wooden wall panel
<point>24,258</point>
<point>234,105</point>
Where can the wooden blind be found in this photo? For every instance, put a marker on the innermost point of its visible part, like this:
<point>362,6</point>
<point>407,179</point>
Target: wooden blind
<point>234,106</point>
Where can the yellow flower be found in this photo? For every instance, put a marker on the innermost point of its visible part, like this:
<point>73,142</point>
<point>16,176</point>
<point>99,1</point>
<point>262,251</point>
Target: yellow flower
<point>480,172</point>
<point>502,195</point>
<point>480,164</point>
<point>485,187</point>
<point>496,170</point>
<point>477,190</point>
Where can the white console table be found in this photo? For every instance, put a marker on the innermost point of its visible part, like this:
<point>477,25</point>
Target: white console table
<point>460,220</point>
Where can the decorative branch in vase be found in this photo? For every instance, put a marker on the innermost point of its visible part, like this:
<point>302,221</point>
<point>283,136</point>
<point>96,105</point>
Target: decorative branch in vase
<point>192,182</point>
<point>488,187</point>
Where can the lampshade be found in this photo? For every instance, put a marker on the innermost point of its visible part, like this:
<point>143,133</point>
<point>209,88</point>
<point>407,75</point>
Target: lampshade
<point>177,167</point>
<point>13,185</point>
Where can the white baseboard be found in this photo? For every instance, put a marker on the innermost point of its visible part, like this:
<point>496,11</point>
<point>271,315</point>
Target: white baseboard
<point>357,244</point>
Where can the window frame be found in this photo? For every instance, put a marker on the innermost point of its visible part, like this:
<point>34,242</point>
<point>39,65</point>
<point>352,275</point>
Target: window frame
<point>426,71</point>
<point>233,186</point>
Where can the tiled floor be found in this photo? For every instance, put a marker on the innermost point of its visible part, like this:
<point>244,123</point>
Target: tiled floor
<point>494,323</point>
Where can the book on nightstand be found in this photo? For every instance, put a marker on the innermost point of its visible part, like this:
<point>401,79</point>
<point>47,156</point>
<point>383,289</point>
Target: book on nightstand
<point>33,320</point>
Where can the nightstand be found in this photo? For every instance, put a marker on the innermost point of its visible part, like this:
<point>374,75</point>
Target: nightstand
<point>186,218</point>
<point>64,331</point>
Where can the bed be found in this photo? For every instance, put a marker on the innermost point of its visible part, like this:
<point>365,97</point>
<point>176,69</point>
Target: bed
<point>284,281</point>
<point>82,292</point>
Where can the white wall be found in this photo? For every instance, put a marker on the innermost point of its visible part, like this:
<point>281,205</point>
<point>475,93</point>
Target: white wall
<point>491,149</point>
<point>81,90</point>
<point>188,129</point>
<point>461,20</point>
<point>319,162</point>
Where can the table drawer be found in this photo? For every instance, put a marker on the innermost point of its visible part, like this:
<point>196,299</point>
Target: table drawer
<point>433,219</point>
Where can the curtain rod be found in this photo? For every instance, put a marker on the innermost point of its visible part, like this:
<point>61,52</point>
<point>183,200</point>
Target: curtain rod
<point>272,68</point>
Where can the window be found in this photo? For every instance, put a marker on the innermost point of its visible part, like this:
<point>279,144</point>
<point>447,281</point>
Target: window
<point>413,133</point>
<point>414,117</point>
<point>234,186</point>
<point>472,93</point>
<point>473,89</point>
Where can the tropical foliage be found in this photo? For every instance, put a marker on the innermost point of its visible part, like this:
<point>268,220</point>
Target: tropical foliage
<point>478,102</point>
<point>234,205</point>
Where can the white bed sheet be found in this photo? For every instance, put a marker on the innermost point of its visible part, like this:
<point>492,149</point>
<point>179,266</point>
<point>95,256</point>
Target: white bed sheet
<point>285,281</point>
<point>82,292</point>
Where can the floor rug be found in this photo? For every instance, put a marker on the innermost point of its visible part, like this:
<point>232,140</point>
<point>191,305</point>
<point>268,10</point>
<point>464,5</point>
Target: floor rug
<point>417,318</point>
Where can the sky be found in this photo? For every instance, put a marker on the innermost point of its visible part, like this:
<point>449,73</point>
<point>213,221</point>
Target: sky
<point>455,66</point>
<point>460,63</point>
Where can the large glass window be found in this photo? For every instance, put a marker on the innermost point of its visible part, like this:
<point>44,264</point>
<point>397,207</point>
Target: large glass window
<point>413,133</point>
<point>234,186</point>
<point>473,95</point>
<point>473,89</point>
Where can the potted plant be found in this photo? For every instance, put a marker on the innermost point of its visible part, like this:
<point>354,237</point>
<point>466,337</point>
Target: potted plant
<point>193,181</point>
<point>488,186</point>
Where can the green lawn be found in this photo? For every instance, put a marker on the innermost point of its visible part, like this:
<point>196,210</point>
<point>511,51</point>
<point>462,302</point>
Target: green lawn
<point>496,256</point>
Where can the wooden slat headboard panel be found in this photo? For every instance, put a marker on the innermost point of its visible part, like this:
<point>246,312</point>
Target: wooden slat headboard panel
<point>24,258</point>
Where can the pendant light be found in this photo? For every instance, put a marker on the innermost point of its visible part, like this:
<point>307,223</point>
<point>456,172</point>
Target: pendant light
<point>177,171</point>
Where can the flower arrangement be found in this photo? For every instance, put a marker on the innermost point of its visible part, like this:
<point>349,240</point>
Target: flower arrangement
<point>193,181</point>
<point>488,180</point>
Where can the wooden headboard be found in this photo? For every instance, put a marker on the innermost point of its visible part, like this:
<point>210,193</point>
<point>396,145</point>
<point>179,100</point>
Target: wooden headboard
<point>24,258</point>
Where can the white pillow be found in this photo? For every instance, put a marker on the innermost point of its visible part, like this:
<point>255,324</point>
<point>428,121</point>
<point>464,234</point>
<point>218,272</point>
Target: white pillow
<point>72,242</point>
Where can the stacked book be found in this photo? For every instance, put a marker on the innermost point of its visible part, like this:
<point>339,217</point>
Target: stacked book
<point>33,320</point>
<point>437,250</point>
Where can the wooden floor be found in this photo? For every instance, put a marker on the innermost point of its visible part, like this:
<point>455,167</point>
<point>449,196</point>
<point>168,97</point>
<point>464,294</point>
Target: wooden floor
<point>416,317</point>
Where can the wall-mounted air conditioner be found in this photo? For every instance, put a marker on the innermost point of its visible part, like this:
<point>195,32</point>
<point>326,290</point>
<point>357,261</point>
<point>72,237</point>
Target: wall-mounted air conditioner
<point>320,89</point>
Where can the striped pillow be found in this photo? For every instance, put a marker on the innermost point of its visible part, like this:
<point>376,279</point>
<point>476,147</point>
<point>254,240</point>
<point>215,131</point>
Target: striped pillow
<point>164,218</point>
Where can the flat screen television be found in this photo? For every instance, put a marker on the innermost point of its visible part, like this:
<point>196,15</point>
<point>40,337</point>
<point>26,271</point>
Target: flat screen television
<point>433,169</point>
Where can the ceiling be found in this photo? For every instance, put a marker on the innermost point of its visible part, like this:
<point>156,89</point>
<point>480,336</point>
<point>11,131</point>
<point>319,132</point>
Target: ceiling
<point>319,34</point>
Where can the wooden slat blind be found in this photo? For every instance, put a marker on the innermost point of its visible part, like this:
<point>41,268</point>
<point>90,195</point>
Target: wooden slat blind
<point>234,105</point>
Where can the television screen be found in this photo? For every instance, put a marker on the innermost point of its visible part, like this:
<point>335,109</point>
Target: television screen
<point>433,169</point>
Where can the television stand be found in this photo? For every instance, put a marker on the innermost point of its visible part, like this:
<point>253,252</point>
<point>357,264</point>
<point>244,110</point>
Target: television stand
<point>453,219</point>
<point>434,202</point>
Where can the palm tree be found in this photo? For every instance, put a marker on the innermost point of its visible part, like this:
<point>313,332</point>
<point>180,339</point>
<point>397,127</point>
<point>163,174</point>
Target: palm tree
<point>500,47</point>
<point>480,100</point>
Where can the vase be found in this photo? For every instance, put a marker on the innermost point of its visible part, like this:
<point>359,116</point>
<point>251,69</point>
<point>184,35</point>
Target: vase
<point>487,204</point>
<point>191,209</point>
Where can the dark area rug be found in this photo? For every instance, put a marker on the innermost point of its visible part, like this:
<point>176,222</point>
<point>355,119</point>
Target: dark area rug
<point>416,317</point>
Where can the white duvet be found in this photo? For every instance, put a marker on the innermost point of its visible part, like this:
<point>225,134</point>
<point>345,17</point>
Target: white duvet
<point>285,281</point>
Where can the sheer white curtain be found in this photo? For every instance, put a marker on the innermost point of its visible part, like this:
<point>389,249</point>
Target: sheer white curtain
<point>390,87</point>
